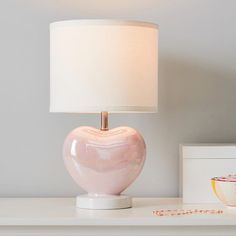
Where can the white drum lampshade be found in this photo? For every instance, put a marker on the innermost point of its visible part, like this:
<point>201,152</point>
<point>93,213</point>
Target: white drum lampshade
<point>103,65</point>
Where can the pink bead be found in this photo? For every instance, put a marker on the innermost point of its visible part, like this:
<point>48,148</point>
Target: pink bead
<point>104,162</point>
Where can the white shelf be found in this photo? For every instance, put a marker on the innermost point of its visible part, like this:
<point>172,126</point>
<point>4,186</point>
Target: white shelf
<point>59,216</point>
<point>62,211</point>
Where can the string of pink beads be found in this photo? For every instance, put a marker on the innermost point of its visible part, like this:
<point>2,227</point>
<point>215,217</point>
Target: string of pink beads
<point>178,212</point>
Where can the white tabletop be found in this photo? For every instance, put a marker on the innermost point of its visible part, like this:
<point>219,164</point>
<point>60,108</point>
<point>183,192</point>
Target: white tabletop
<point>62,211</point>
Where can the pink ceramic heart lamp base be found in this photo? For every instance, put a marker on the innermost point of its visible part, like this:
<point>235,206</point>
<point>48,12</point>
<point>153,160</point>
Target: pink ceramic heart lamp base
<point>104,163</point>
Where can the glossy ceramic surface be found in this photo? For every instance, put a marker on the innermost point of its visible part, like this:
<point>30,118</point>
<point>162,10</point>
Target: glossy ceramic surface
<point>104,162</point>
<point>225,189</point>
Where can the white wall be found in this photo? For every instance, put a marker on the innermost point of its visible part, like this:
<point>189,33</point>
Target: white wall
<point>197,82</point>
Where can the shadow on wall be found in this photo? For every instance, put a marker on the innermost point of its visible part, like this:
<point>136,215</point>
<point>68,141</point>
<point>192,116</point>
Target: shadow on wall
<point>194,87</point>
<point>198,100</point>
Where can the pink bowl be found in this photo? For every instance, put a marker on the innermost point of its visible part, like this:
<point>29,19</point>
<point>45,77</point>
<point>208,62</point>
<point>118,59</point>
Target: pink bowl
<point>225,189</point>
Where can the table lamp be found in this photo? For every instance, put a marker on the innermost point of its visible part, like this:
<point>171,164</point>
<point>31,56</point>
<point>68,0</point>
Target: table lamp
<point>103,66</point>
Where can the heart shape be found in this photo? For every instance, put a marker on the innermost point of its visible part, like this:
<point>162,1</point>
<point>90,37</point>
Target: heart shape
<point>104,162</point>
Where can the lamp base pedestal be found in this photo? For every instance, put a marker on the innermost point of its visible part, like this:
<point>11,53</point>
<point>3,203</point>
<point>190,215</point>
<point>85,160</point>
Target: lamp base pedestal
<point>103,202</point>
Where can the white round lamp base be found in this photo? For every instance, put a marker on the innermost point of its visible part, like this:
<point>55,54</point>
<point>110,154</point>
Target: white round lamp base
<point>103,202</point>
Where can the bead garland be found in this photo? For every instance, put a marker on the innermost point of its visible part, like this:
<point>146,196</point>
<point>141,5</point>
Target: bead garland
<point>179,212</point>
